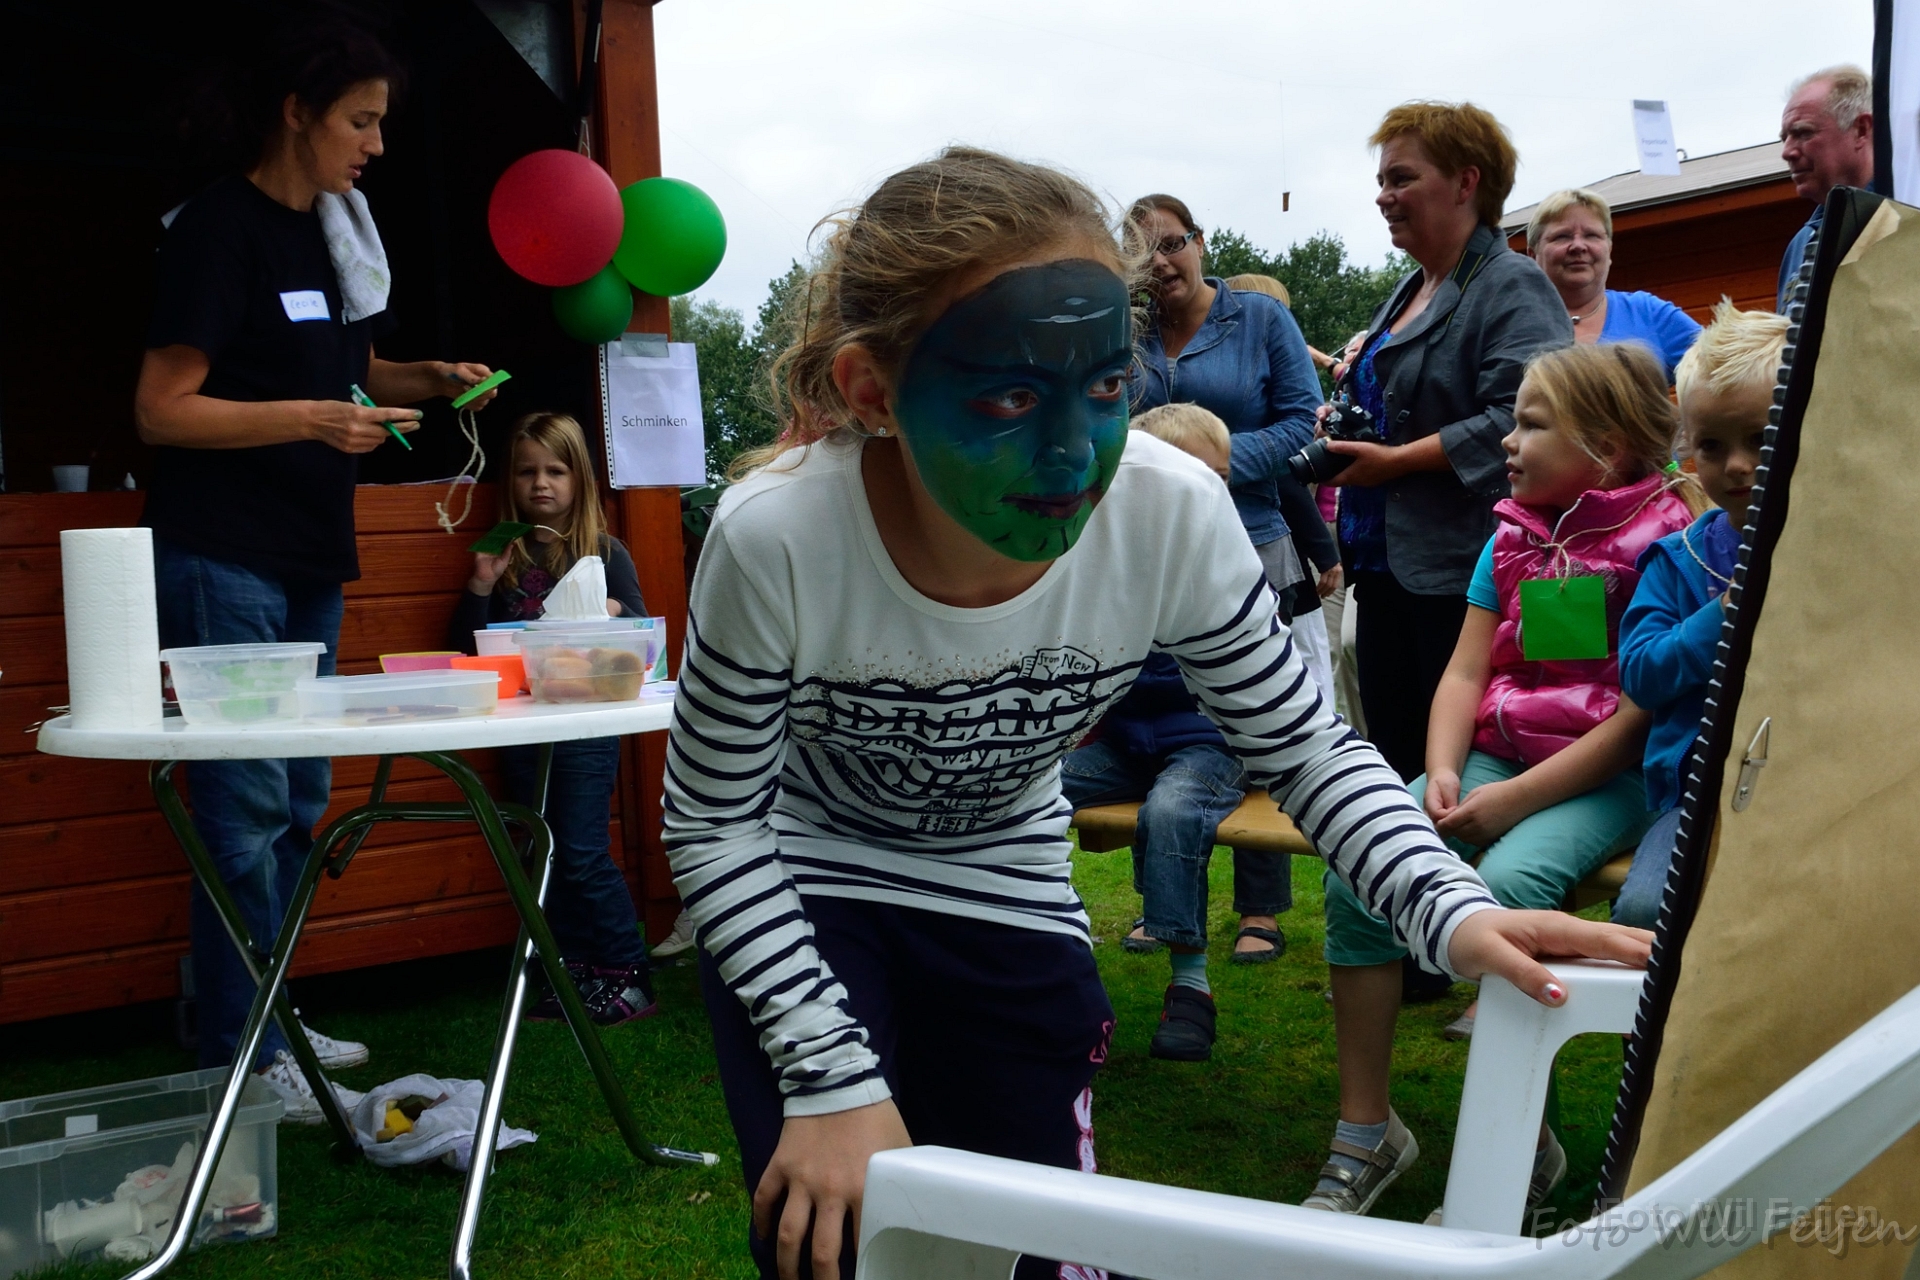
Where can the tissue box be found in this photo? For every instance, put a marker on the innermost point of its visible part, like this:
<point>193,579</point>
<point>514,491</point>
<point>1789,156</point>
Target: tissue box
<point>60,1150</point>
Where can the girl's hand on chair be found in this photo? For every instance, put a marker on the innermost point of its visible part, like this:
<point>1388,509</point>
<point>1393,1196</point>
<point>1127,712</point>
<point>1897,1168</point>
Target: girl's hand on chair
<point>1442,795</point>
<point>1488,812</point>
<point>820,1166</point>
<point>486,571</point>
<point>1508,943</point>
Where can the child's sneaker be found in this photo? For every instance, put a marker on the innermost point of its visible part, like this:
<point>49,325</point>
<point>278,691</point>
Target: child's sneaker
<point>547,1007</point>
<point>621,995</point>
<point>681,939</point>
<point>335,1055</point>
<point>284,1077</point>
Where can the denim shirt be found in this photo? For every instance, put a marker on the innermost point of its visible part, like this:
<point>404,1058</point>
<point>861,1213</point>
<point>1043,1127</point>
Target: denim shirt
<point>1249,365</point>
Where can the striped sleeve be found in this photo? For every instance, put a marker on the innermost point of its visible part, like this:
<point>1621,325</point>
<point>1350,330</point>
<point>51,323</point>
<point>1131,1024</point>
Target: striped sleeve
<point>725,751</point>
<point>1242,665</point>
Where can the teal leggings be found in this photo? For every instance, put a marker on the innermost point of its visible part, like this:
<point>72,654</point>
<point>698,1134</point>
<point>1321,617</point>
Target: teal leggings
<point>1531,867</point>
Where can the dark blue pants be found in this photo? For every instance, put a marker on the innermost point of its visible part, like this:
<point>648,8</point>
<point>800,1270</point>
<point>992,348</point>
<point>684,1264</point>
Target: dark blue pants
<point>989,1037</point>
<point>1184,796</point>
<point>255,816</point>
<point>589,907</point>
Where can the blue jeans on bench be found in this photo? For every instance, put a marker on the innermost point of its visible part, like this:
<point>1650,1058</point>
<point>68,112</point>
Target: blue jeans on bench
<point>1184,798</point>
<point>255,816</point>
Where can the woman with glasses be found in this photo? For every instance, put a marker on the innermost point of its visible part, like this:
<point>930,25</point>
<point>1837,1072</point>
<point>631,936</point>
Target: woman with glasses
<point>1240,356</point>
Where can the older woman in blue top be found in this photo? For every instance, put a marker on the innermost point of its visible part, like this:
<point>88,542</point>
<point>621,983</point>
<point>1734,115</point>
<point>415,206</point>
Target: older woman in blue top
<point>1240,356</point>
<point>1571,236</point>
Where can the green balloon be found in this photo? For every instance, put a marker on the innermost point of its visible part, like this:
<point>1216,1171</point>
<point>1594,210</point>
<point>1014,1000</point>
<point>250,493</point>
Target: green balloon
<point>597,309</point>
<point>674,238</point>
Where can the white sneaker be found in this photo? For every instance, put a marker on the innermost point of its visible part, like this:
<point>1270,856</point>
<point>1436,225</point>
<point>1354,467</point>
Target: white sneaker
<point>335,1055</point>
<point>284,1077</point>
<point>681,939</point>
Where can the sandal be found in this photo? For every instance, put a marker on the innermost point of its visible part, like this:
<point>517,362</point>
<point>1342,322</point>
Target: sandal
<point>1358,1191</point>
<point>1277,946</point>
<point>1138,942</point>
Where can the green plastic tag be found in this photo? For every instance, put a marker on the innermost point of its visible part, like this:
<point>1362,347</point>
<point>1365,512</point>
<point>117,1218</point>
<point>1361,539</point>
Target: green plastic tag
<point>478,389</point>
<point>1563,618</point>
<point>498,538</point>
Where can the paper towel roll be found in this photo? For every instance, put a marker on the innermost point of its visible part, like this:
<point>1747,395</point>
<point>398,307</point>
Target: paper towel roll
<point>113,630</point>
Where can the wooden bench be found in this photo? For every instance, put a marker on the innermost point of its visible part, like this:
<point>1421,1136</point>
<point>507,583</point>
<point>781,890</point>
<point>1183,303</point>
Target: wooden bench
<point>1258,824</point>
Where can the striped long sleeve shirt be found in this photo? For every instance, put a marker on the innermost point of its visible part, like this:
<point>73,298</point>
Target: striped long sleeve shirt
<point>837,733</point>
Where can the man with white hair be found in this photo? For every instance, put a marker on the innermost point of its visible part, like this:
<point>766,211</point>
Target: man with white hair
<point>1826,138</point>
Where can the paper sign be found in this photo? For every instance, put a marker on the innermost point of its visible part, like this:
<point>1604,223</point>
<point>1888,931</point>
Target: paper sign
<point>1562,619</point>
<point>650,399</point>
<point>1653,131</point>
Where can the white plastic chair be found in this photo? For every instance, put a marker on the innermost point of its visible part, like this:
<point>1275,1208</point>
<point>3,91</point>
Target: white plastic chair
<point>932,1213</point>
<point>1515,1038</point>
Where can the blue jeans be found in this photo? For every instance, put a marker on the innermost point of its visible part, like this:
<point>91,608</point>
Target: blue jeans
<point>1184,799</point>
<point>588,906</point>
<point>1639,901</point>
<point>256,817</point>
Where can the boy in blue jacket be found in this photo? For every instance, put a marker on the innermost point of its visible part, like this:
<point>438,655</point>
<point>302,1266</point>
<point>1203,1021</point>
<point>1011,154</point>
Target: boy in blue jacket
<point>1157,747</point>
<point>1672,628</point>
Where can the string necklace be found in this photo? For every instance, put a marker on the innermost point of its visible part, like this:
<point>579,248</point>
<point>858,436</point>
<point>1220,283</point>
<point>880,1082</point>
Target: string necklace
<point>1687,542</point>
<point>476,462</point>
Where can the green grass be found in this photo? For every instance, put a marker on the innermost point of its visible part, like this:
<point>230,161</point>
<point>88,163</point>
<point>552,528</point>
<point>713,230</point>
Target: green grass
<point>1254,1121</point>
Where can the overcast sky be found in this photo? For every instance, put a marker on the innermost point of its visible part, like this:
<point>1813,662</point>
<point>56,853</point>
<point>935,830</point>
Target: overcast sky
<point>784,111</point>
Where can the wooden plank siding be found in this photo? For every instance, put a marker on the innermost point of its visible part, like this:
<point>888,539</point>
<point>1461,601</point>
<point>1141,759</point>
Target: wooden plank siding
<point>1693,251</point>
<point>94,891</point>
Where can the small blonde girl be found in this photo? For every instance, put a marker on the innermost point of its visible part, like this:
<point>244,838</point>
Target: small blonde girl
<point>1533,763</point>
<point>550,485</point>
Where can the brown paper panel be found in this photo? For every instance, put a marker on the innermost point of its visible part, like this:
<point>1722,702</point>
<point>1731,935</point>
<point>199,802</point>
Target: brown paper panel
<point>1810,924</point>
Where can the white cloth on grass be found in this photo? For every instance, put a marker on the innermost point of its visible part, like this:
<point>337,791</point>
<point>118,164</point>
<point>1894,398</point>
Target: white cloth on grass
<point>444,1131</point>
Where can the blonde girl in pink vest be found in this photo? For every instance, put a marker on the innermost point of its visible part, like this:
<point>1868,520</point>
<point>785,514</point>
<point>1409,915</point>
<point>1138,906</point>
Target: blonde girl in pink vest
<point>1533,753</point>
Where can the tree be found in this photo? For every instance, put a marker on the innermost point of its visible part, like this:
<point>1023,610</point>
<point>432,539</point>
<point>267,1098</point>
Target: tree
<point>735,398</point>
<point>1332,298</point>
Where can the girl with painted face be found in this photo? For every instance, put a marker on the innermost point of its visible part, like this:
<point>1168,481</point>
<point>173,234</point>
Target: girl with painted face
<point>953,561</point>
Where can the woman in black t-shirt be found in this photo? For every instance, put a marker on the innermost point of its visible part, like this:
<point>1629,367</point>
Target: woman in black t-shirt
<point>272,288</point>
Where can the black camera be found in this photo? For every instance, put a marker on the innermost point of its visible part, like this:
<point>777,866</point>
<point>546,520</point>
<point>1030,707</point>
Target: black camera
<point>1317,464</point>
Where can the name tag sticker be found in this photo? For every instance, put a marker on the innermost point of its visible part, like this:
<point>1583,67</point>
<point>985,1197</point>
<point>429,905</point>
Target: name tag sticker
<point>304,304</point>
<point>1562,619</point>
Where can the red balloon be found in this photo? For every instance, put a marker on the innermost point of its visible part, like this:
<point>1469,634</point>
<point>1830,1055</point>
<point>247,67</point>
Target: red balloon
<point>555,216</point>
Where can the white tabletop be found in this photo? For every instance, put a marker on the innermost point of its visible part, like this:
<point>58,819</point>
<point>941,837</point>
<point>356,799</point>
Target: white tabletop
<point>520,720</point>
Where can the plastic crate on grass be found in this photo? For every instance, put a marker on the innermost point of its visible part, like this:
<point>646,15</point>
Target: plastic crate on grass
<point>100,1171</point>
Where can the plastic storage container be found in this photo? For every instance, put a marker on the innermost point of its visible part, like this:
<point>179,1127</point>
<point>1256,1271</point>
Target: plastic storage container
<point>494,643</point>
<point>399,664</point>
<point>241,684</point>
<point>586,665</point>
<point>419,695</point>
<point>59,1151</point>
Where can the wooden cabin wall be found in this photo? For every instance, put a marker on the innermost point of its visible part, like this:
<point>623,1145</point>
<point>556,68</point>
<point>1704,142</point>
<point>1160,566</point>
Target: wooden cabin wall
<point>93,888</point>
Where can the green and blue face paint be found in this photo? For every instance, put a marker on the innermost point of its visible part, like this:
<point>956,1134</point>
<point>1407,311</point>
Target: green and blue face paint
<point>1014,404</point>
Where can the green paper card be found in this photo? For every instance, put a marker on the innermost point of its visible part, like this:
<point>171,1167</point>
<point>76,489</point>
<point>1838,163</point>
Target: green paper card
<point>1563,618</point>
<point>500,537</point>
<point>493,380</point>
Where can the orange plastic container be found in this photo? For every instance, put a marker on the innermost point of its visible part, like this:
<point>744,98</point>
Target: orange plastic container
<point>512,672</point>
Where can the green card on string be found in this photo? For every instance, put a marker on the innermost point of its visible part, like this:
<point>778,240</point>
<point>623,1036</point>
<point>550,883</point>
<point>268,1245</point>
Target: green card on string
<point>479,389</point>
<point>500,537</point>
<point>1562,619</point>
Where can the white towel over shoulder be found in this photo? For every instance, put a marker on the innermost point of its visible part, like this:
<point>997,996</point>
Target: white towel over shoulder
<point>359,259</point>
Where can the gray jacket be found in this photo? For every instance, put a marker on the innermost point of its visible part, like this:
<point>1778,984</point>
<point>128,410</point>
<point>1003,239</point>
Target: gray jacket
<point>1456,370</point>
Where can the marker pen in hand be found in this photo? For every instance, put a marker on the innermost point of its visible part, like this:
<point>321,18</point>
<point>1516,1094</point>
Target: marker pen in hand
<point>365,401</point>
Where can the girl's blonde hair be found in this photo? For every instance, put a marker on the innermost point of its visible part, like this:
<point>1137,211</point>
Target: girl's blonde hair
<point>561,436</point>
<point>884,260</point>
<point>1252,283</point>
<point>1612,400</point>
<point>1183,425</point>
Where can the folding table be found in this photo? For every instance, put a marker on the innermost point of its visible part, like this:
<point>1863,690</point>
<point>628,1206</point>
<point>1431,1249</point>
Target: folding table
<point>518,722</point>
